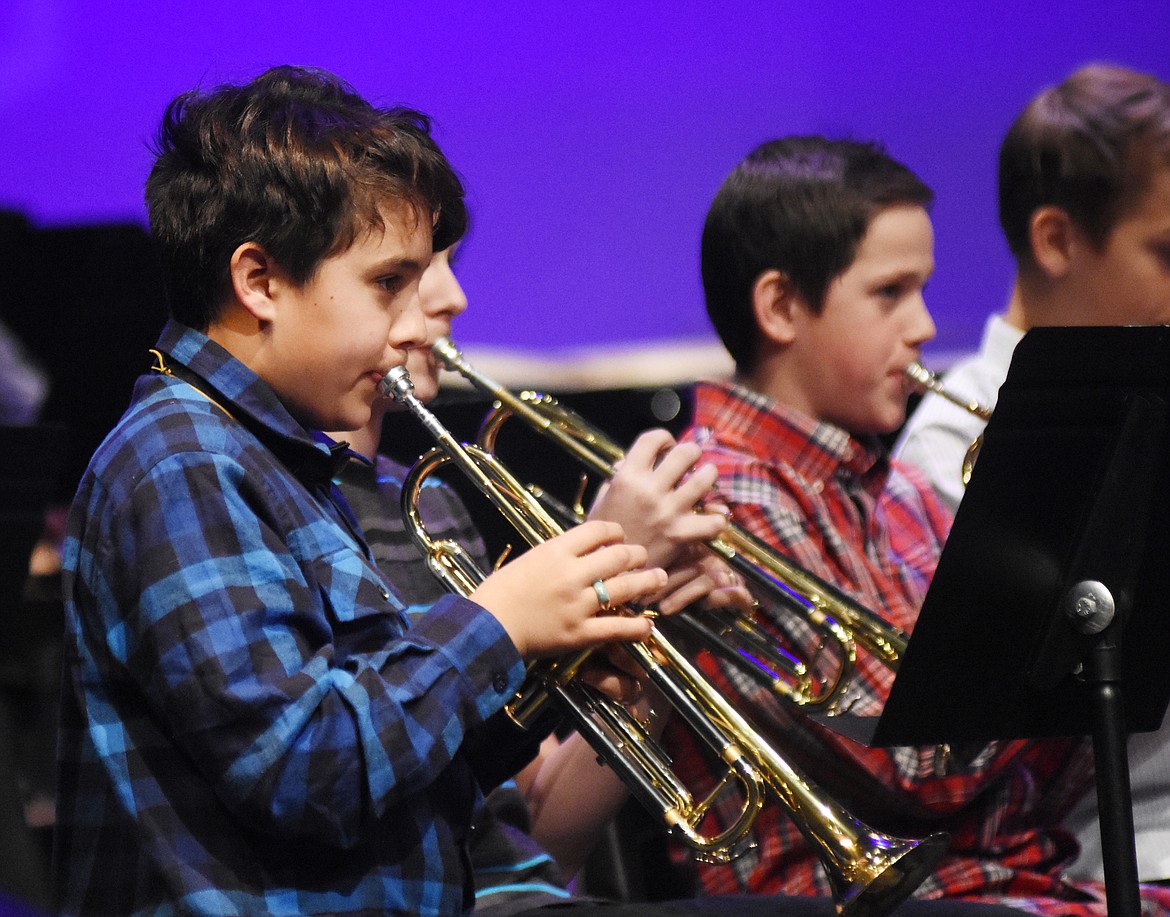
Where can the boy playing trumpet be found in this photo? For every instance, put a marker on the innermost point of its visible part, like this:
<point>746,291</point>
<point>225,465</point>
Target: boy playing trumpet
<point>250,724</point>
<point>815,255</point>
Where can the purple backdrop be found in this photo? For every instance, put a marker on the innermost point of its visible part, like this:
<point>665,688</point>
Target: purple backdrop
<point>591,136</point>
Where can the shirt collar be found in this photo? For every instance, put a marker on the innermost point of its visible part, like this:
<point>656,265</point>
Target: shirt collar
<point>999,342</point>
<point>250,400</point>
<point>748,421</point>
<point>340,453</point>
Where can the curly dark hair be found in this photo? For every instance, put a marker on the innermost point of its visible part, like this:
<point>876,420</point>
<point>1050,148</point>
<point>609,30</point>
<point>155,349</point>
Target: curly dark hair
<point>295,161</point>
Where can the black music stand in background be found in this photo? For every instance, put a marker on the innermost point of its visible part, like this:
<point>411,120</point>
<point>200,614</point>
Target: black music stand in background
<point>1047,615</point>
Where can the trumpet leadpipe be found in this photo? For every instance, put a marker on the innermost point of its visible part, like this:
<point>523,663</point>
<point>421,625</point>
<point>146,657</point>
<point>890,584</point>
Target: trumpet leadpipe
<point>927,381</point>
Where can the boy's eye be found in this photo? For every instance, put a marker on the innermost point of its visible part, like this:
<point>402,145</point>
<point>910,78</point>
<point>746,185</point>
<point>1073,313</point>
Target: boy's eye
<point>899,290</point>
<point>392,283</point>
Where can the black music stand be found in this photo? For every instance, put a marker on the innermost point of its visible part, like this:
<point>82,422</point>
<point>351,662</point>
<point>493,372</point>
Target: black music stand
<point>1050,595</point>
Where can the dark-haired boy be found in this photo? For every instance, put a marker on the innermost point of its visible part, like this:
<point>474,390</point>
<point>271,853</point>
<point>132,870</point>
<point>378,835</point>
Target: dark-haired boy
<point>250,725</point>
<point>1084,201</point>
<point>815,254</point>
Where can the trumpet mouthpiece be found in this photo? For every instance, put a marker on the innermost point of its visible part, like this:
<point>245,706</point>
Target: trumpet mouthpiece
<point>920,375</point>
<point>444,348</point>
<point>929,382</point>
<point>396,384</point>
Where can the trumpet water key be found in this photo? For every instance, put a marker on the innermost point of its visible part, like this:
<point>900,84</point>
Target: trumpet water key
<point>871,872</point>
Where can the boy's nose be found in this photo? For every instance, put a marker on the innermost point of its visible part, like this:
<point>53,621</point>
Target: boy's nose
<point>923,328</point>
<point>409,329</point>
<point>453,302</point>
<point>458,302</point>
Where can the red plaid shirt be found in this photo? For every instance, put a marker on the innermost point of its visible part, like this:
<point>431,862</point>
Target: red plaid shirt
<point>842,510</point>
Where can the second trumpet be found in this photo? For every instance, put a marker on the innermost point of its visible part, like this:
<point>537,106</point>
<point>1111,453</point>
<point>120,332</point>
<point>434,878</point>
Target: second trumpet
<point>782,586</point>
<point>870,872</point>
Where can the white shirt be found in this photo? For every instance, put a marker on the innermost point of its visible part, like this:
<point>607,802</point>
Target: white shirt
<point>936,438</point>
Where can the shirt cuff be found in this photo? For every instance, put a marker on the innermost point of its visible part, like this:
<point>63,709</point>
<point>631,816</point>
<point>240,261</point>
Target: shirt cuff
<point>477,645</point>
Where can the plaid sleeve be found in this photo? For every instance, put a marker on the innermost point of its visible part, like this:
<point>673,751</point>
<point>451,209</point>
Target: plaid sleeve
<point>270,671</point>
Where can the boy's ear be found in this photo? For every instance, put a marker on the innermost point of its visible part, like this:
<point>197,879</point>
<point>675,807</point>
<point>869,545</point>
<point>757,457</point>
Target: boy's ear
<point>254,277</point>
<point>1053,237</point>
<point>774,302</point>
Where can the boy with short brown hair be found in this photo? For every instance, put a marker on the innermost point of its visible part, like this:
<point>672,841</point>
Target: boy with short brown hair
<point>250,724</point>
<point>1084,202</point>
<point>815,255</point>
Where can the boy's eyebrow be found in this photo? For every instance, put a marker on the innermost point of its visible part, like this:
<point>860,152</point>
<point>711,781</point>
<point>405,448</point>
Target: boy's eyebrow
<point>403,263</point>
<point>898,275</point>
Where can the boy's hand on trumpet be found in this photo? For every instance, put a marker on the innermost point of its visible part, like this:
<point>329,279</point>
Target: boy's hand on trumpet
<point>556,596</point>
<point>656,494</point>
<point>616,674</point>
<point>706,580</point>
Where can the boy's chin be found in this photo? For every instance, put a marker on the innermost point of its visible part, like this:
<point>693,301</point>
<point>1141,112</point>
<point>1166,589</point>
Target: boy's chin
<point>885,425</point>
<point>426,386</point>
<point>349,418</point>
<point>889,429</point>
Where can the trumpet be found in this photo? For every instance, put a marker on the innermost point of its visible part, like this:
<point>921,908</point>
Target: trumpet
<point>870,872</point>
<point>843,622</point>
<point>930,382</point>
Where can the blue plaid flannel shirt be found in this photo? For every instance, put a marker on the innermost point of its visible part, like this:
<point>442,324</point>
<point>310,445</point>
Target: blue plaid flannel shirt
<point>250,725</point>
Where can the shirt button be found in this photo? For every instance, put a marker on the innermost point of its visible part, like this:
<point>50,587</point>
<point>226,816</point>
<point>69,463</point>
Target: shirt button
<point>385,593</point>
<point>499,682</point>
